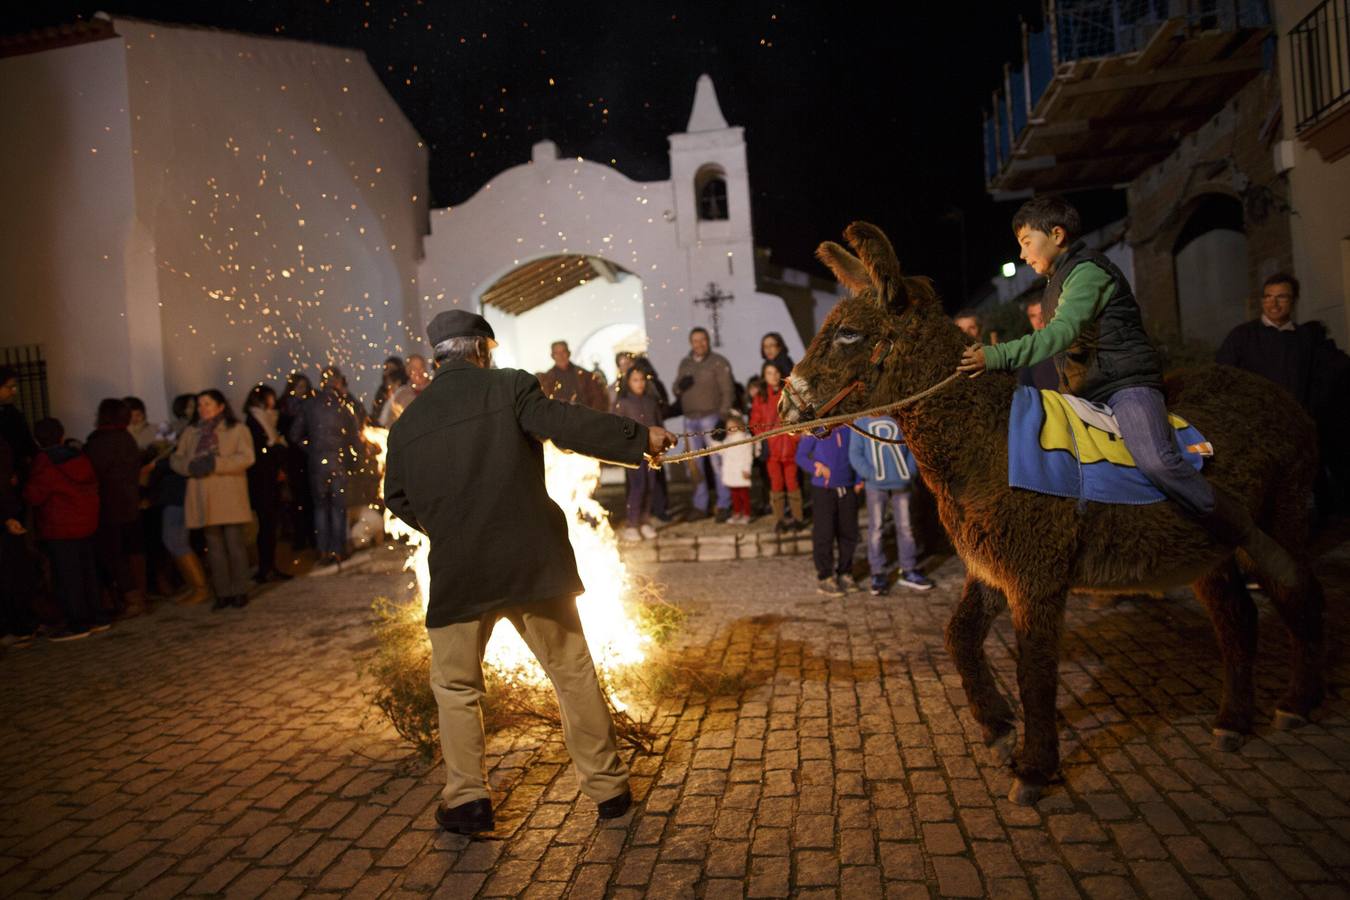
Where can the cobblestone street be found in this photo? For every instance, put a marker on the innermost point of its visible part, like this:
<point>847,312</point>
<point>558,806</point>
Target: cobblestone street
<point>236,753</point>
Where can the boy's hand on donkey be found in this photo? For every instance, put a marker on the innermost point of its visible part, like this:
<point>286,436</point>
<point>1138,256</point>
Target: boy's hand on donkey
<point>972,361</point>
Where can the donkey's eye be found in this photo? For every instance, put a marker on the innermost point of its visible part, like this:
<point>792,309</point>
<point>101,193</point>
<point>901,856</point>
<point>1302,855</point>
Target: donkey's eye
<point>847,336</point>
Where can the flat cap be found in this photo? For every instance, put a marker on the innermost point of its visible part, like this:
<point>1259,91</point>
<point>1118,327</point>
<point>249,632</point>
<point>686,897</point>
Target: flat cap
<point>453,323</point>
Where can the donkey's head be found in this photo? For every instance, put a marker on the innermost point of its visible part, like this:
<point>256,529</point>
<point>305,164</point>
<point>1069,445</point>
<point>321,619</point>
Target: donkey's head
<point>889,336</point>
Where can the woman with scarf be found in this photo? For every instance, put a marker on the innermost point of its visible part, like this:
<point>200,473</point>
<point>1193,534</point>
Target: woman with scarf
<point>213,454</point>
<point>269,455</point>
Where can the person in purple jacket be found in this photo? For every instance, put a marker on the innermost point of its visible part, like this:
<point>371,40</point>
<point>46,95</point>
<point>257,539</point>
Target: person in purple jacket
<point>639,403</point>
<point>834,509</point>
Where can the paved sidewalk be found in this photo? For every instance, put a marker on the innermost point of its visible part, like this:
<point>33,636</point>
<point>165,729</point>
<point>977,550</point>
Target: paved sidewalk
<point>235,754</point>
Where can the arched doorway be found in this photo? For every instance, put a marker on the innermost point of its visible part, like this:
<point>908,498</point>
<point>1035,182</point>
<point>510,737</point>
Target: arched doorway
<point>1210,261</point>
<point>592,304</point>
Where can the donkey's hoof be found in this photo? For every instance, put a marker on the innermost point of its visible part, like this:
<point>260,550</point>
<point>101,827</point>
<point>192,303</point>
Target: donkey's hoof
<point>1003,745</point>
<point>1227,741</point>
<point>1024,793</point>
<point>1288,721</point>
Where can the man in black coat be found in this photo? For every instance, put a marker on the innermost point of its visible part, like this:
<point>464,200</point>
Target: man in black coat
<point>466,466</point>
<point>1303,360</point>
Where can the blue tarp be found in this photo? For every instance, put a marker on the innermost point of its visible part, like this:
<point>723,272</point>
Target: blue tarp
<point>991,161</point>
<point>1017,91</point>
<point>1040,65</point>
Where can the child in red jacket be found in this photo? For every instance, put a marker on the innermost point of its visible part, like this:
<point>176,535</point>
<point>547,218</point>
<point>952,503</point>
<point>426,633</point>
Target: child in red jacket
<point>63,491</point>
<point>780,453</point>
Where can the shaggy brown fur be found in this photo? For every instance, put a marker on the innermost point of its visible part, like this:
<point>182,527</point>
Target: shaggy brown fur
<point>1027,550</point>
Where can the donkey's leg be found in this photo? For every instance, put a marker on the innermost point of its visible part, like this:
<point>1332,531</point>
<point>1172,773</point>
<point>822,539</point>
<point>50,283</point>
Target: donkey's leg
<point>1233,615</point>
<point>1038,619</point>
<point>966,633</point>
<point>1301,608</point>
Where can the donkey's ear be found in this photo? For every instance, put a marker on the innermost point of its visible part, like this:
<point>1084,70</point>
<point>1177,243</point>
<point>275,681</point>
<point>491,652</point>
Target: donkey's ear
<point>878,256</point>
<point>845,266</point>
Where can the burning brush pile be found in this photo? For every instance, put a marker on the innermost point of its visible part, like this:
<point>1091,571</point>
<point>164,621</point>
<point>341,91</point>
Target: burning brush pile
<point>624,617</point>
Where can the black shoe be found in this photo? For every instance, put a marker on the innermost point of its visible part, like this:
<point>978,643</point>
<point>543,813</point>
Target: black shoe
<point>278,575</point>
<point>721,516</point>
<point>325,560</point>
<point>695,515</point>
<point>616,806</point>
<point>467,818</point>
<point>239,601</point>
<point>221,603</point>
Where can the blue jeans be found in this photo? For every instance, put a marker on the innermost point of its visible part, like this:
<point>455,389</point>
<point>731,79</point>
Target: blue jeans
<point>898,501</point>
<point>173,532</point>
<point>698,442</point>
<point>1141,413</point>
<point>330,509</point>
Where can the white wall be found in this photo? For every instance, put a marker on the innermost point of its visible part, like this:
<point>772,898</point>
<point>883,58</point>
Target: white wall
<point>525,340</point>
<point>65,219</point>
<point>1212,285</point>
<point>280,201</point>
<point>1319,192</point>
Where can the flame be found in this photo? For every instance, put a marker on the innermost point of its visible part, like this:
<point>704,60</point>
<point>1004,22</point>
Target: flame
<point>611,632</point>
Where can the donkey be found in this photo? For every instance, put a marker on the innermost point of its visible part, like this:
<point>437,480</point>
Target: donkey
<point>891,340</point>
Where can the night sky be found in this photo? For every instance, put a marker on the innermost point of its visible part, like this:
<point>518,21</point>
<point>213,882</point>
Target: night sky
<point>846,116</point>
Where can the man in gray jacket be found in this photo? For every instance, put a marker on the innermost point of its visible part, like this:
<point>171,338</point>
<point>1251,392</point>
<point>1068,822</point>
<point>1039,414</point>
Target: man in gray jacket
<point>703,385</point>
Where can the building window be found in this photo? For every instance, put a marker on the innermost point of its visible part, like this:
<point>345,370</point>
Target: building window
<point>27,361</point>
<point>710,186</point>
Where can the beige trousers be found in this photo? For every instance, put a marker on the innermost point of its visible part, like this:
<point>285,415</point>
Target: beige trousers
<point>552,631</point>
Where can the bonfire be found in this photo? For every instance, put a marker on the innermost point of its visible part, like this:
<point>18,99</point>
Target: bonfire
<point>606,608</point>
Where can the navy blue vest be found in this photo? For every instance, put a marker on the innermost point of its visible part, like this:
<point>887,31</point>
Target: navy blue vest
<point>1112,352</point>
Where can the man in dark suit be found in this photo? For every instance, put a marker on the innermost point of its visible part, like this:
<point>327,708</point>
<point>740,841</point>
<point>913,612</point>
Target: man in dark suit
<point>466,466</point>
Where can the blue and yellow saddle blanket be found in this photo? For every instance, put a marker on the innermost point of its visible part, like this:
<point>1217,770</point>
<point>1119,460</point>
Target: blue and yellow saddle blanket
<point>1070,447</point>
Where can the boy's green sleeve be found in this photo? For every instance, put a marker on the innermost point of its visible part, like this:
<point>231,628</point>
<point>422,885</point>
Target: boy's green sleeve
<point>1085,293</point>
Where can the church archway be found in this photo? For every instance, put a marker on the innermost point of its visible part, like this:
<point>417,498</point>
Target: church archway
<point>1211,266</point>
<point>594,305</point>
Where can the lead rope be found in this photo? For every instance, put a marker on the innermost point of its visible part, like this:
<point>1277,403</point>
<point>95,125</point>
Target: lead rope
<point>828,422</point>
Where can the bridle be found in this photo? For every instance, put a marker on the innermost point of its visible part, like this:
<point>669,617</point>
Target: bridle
<point>880,353</point>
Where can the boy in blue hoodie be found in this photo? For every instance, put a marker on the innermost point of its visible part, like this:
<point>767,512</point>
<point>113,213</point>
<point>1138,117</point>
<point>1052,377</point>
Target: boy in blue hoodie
<point>888,471</point>
<point>834,508</point>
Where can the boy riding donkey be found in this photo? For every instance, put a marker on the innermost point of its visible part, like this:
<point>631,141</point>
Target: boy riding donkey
<point>1103,354</point>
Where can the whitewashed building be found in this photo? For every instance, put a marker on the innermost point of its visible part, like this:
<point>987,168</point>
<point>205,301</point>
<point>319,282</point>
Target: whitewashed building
<point>188,208</point>
<point>570,249</point>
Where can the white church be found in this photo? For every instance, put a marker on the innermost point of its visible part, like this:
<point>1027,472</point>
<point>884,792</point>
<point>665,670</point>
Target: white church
<point>190,208</point>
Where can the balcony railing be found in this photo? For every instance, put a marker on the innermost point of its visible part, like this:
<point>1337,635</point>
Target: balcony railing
<point>1320,54</point>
